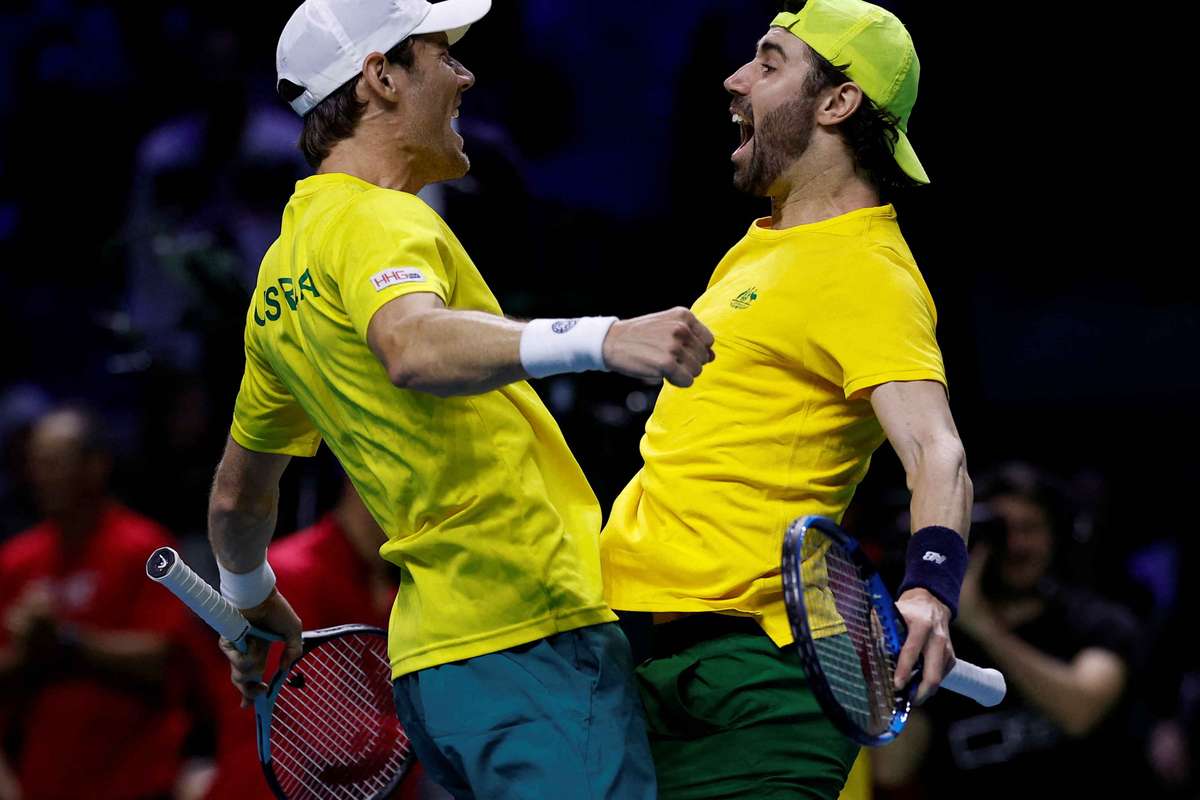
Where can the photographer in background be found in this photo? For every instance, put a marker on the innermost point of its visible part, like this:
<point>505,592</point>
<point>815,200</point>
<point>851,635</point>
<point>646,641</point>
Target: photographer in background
<point>1068,657</point>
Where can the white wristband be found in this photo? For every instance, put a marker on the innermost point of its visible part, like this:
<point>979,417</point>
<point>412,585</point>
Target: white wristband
<point>247,589</point>
<point>553,346</point>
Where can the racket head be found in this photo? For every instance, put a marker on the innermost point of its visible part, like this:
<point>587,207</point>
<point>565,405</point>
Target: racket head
<point>327,729</point>
<point>851,671</point>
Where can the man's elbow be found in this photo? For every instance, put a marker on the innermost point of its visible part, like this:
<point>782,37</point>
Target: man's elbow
<point>944,453</point>
<point>232,497</point>
<point>412,375</point>
<point>1085,718</point>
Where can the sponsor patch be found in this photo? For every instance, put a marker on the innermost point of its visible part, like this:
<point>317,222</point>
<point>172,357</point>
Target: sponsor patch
<point>395,275</point>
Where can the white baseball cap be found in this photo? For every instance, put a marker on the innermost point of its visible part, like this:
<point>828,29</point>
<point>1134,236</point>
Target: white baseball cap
<point>325,42</point>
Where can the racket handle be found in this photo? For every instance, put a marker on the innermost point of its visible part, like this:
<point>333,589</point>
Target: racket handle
<point>166,567</point>
<point>984,686</point>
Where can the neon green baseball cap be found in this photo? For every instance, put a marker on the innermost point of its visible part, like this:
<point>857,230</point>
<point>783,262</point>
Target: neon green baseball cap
<point>877,52</point>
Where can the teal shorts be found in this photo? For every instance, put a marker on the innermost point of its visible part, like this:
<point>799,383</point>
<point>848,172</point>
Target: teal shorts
<point>555,718</point>
<point>732,716</point>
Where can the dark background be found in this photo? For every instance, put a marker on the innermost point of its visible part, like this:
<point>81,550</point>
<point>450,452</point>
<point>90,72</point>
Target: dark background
<point>144,162</point>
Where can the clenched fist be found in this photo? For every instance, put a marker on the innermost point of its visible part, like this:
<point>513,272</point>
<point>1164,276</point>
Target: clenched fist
<point>670,344</point>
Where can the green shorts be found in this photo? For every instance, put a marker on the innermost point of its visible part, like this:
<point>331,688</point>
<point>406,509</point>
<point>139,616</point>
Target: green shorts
<point>732,716</point>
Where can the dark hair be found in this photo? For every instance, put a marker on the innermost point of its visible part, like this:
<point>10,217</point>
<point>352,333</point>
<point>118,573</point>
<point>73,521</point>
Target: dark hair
<point>1033,485</point>
<point>871,132</point>
<point>95,437</point>
<point>336,117</point>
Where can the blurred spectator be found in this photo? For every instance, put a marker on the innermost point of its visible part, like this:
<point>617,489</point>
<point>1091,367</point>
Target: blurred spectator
<point>332,575</point>
<point>85,639</point>
<point>1067,655</point>
<point>20,406</point>
<point>1173,740</point>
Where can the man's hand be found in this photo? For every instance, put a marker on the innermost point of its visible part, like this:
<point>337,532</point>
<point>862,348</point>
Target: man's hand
<point>34,629</point>
<point>273,615</point>
<point>670,344</point>
<point>928,622</point>
<point>9,790</point>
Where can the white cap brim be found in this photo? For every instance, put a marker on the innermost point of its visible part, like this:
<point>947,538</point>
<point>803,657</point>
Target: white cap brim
<point>453,17</point>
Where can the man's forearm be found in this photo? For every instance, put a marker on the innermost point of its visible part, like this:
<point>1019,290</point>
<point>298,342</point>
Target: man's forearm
<point>941,489</point>
<point>1076,696</point>
<point>120,656</point>
<point>9,789</point>
<point>240,528</point>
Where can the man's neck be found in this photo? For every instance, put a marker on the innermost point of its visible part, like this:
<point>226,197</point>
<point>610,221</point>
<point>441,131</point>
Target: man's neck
<point>1017,610</point>
<point>806,196</point>
<point>381,166</point>
<point>78,524</point>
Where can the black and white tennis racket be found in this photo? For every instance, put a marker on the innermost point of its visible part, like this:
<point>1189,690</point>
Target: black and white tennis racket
<point>327,730</point>
<point>849,633</point>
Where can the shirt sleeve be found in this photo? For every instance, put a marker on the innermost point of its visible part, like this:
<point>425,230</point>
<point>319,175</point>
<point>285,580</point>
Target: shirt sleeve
<point>872,323</point>
<point>387,245</point>
<point>266,417</point>
<point>1107,626</point>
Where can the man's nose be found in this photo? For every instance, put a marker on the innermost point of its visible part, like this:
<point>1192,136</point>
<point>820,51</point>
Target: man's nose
<point>738,83</point>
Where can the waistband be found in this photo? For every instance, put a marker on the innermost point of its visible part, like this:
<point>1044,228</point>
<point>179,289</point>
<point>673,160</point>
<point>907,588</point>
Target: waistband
<point>667,639</point>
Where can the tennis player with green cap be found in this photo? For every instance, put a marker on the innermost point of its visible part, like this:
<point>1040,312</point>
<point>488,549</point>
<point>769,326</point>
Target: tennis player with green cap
<point>824,332</point>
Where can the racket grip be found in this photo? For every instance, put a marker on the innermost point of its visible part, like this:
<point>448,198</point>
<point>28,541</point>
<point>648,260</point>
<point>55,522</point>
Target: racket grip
<point>166,567</point>
<point>984,686</point>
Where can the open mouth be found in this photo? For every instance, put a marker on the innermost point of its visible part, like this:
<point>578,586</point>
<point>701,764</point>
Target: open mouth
<point>745,131</point>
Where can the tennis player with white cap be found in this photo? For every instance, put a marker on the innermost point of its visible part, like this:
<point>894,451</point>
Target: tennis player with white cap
<point>372,329</point>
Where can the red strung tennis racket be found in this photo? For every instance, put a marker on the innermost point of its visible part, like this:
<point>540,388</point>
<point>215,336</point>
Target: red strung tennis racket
<point>327,729</point>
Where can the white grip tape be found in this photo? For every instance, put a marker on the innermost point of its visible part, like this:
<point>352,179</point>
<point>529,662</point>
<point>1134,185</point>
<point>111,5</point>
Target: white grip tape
<point>984,686</point>
<point>166,567</point>
<point>555,346</point>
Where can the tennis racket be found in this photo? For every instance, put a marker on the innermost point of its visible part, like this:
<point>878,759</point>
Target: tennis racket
<point>327,730</point>
<point>849,633</point>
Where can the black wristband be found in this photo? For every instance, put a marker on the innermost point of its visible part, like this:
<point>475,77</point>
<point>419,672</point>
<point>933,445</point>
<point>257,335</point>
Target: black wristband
<point>937,562</point>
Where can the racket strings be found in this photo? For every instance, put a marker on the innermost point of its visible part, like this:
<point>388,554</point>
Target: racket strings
<point>334,733</point>
<point>858,666</point>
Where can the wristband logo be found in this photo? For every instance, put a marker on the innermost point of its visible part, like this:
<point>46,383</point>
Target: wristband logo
<point>936,558</point>
<point>563,325</point>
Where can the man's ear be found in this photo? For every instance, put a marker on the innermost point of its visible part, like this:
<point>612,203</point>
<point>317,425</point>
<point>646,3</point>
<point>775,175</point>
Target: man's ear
<point>378,80</point>
<point>840,103</point>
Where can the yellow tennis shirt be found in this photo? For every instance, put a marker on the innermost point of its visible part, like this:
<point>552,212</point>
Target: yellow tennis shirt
<point>779,425</point>
<point>487,513</point>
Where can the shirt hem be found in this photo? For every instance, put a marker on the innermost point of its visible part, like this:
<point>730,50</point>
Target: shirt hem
<point>302,448</point>
<point>870,381</point>
<point>495,641</point>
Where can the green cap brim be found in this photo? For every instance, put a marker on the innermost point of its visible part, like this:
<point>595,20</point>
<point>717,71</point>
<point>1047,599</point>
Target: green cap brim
<point>906,157</point>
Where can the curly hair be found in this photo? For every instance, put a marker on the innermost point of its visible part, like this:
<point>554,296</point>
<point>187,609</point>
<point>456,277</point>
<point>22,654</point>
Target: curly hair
<point>336,117</point>
<point>871,132</point>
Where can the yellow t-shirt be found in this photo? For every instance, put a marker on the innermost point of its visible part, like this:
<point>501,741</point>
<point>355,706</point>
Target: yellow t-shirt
<point>486,511</point>
<point>779,425</point>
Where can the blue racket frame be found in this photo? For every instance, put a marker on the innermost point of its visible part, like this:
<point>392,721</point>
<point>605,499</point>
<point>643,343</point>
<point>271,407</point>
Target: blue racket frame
<point>892,623</point>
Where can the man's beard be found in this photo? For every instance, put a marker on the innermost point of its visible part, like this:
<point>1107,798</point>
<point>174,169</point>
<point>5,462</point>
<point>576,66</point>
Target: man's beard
<point>782,137</point>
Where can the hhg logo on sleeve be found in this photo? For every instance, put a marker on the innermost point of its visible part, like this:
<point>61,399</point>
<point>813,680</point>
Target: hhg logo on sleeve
<point>744,299</point>
<point>391,277</point>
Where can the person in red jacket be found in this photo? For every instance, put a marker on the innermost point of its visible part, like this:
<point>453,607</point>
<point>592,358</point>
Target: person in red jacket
<point>332,575</point>
<point>85,639</point>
